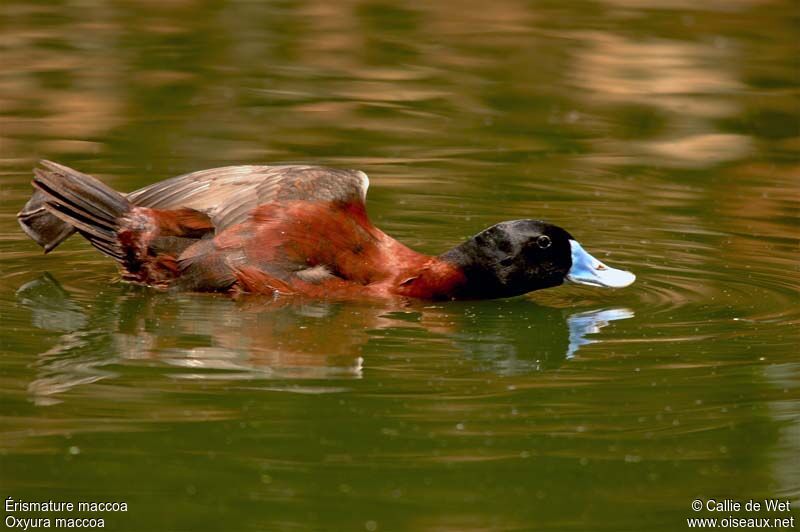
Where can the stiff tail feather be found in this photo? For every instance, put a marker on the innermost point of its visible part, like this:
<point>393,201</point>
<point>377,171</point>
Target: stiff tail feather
<point>45,229</point>
<point>90,207</point>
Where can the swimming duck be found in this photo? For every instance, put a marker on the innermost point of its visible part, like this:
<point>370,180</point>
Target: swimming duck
<point>292,230</point>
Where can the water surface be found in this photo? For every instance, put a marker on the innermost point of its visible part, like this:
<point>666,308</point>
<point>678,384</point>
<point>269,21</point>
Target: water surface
<point>663,135</point>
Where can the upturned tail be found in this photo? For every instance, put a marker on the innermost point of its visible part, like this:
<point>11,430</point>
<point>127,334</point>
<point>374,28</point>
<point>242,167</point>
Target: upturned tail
<point>67,200</point>
<point>42,227</point>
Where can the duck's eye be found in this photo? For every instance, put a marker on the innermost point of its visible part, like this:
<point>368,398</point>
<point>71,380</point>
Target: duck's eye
<point>544,242</point>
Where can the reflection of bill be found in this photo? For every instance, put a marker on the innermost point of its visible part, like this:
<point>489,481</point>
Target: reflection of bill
<point>584,323</point>
<point>209,337</point>
<point>519,336</point>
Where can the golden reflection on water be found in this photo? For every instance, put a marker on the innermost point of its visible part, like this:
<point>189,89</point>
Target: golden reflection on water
<point>76,75</point>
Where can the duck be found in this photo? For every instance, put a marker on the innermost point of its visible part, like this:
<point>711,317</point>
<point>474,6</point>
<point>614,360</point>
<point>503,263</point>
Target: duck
<point>283,230</point>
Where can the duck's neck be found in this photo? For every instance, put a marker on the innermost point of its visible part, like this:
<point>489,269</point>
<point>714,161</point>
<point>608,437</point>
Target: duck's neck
<point>468,271</point>
<point>433,278</point>
<point>481,268</point>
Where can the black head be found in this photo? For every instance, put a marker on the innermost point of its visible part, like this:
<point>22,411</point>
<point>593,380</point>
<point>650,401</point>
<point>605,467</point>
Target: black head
<point>512,258</point>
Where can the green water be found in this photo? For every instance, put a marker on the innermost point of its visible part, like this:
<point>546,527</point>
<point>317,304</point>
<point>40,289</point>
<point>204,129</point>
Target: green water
<point>663,135</point>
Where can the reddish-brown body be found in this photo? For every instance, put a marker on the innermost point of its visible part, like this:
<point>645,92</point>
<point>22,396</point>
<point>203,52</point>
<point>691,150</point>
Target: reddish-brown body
<point>260,229</point>
<point>316,249</point>
<point>321,249</point>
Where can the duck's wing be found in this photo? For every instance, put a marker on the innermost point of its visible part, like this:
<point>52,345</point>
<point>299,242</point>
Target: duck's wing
<point>228,195</point>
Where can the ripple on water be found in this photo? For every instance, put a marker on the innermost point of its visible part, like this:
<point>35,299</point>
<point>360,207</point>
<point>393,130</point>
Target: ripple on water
<point>689,288</point>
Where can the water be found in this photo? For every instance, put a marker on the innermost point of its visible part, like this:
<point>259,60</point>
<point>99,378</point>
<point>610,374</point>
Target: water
<point>663,135</point>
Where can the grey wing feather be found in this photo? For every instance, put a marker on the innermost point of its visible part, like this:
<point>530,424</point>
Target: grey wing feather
<point>229,194</point>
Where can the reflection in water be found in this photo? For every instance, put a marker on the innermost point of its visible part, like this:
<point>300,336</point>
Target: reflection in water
<point>654,79</point>
<point>586,323</point>
<point>216,338</point>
